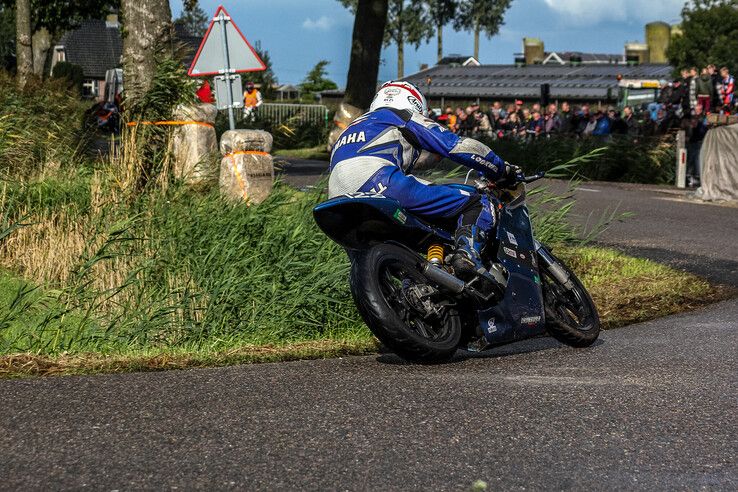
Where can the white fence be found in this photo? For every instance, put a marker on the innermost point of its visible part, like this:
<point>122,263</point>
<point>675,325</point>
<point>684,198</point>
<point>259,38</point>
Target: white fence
<point>279,113</point>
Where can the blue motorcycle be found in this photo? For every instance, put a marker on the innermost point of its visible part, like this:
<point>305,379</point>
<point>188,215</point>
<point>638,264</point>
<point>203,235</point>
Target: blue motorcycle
<point>409,297</point>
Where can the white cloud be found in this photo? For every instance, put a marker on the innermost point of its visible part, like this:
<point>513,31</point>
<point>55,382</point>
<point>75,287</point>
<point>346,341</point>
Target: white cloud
<point>321,24</point>
<point>592,12</point>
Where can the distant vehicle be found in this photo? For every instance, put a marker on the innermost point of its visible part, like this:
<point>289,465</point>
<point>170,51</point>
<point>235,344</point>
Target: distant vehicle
<point>638,92</point>
<point>113,85</point>
<point>105,114</point>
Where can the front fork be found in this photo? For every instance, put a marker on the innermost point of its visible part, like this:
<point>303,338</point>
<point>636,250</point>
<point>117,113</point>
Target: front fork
<point>553,267</point>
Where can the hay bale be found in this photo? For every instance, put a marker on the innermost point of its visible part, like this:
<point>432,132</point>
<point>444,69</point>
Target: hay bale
<point>246,176</point>
<point>205,113</point>
<point>244,140</point>
<point>344,116</point>
<point>194,148</point>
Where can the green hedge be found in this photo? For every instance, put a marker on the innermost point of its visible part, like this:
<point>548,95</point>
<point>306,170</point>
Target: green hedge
<point>646,160</point>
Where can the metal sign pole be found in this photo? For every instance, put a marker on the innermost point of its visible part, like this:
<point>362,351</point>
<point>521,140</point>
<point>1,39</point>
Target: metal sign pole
<point>224,43</point>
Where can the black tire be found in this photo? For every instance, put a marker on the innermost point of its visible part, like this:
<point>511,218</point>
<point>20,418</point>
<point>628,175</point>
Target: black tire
<point>571,316</point>
<point>375,274</point>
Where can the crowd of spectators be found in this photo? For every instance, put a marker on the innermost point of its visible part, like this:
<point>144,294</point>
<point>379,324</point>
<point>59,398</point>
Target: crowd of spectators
<point>521,122</point>
<point>682,104</point>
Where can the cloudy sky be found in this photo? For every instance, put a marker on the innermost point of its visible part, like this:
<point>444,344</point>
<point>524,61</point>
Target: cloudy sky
<point>299,33</point>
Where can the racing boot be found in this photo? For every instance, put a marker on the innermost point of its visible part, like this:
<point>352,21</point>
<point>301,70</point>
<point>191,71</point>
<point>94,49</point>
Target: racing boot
<point>468,266</point>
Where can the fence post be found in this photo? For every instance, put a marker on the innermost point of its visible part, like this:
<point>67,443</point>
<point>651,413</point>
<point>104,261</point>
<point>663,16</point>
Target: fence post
<point>681,159</point>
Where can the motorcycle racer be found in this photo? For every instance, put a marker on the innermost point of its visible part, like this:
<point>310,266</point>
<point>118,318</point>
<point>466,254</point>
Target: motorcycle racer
<point>377,152</point>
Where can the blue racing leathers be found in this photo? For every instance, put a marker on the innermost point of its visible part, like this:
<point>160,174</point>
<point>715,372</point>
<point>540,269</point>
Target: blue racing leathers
<point>377,152</point>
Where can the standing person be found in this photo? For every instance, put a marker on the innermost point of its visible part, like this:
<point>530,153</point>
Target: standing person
<point>602,125</point>
<point>534,127</point>
<point>716,82</point>
<point>519,109</point>
<point>705,90</point>
<point>695,128</point>
<point>617,124</point>
<point>566,118</point>
<point>484,126</point>
<point>451,119</point>
<point>584,120</point>
<point>631,123</point>
<point>251,101</point>
<point>692,89</point>
<point>552,122</point>
<point>727,89</point>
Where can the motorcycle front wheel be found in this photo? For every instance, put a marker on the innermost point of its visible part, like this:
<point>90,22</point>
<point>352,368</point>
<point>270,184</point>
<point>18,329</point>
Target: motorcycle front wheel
<point>385,280</point>
<point>571,316</point>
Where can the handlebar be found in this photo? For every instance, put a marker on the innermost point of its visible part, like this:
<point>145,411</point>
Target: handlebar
<point>484,183</point>
<point>534,177</point>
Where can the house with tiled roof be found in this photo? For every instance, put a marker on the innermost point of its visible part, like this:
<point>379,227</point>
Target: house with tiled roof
<point>97,46</point>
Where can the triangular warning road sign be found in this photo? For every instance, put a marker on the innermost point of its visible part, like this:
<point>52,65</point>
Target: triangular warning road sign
<point>210,58</point>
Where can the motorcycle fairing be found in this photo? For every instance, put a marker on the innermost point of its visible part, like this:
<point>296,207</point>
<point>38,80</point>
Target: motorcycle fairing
<point>372,219</point>
<point>520,314</point>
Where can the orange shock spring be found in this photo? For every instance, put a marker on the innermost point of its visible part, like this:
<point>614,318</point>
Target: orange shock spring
<point>435,254</point>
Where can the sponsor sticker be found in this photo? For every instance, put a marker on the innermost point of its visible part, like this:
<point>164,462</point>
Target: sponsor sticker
<point>509,252</point>
<point>392,91</point>
<point>529,320</point>
<point>491,326</point>
<point>511,238</point>
<point>363,194</point>
<point>416,104</point>
<point>400,217</point>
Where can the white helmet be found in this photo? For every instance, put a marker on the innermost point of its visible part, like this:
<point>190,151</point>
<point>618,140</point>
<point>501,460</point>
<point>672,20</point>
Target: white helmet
<point>400,95</point>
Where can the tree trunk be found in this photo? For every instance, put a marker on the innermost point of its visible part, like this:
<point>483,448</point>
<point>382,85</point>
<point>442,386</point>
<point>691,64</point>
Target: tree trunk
<point>23,48</point>
<point>366,48</point>
<point>400,42</point>
<point>439,32</point>
<point>476,41</point>
<point>40,42</point>
<point>147,36</point>
<point>400,60</point>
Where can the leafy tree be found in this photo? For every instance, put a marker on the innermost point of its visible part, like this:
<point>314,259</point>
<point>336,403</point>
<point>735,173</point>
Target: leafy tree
<point>480,16</point>
<point>316,81</point>
<point>265,78</point>
<point>7,37</point>
<point>193,18</point>
<point>441,13</point>
<point>407,22</point>
<point>57,16</point>
<point>709,35</point>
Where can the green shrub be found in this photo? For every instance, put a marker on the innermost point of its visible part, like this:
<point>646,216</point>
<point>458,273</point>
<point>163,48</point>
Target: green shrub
<point>647,160</point>
<point>40,126</point>
<point>70,72</point>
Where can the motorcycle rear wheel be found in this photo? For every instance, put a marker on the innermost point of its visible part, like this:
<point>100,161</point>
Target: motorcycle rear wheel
<point>571,316</point>
<point>380,277</point>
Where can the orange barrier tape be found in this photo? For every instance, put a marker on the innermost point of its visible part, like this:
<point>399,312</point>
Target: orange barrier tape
<point>162,123</point>
<point>247,152</point>
<point>239,178</point>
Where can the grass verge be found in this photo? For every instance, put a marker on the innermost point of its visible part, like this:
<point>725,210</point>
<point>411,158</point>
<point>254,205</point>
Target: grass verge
<point>626,290</point>
<point>313,153</point>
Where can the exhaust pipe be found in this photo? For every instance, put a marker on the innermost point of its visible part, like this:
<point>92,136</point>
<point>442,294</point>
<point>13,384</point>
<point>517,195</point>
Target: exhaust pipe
<point>443,278</point>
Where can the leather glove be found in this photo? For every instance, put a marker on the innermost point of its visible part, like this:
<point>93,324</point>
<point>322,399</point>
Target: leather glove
<point>510,176</point>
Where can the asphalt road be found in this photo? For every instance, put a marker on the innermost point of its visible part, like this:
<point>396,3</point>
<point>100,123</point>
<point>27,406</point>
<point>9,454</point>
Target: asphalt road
<point>648,407</point>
